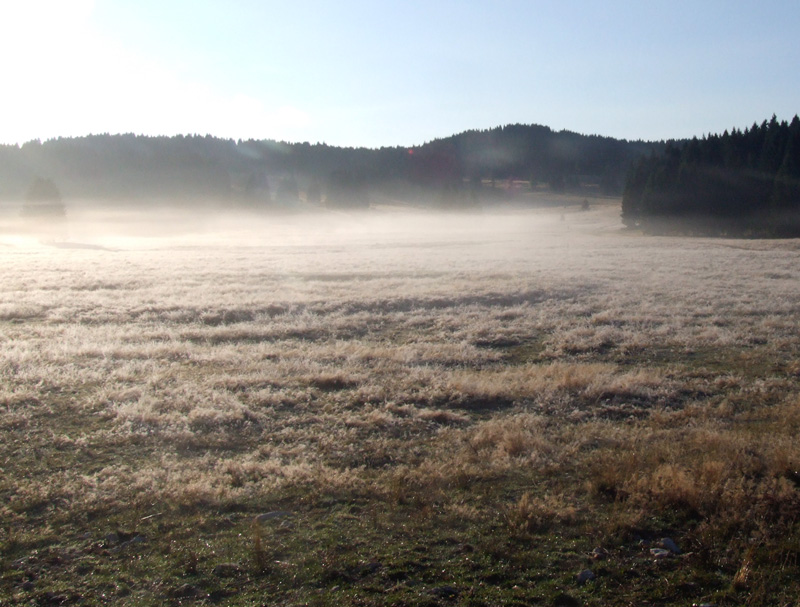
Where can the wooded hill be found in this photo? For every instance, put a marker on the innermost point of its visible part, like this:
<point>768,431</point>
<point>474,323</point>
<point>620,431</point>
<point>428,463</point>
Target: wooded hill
<point>738,183</point>
<point>132,167</point>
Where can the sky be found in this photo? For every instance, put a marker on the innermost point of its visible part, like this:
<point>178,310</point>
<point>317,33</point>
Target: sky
<point>393,73</point>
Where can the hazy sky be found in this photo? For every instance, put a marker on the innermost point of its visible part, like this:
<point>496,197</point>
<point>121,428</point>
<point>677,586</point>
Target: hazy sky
<point>383,72</point>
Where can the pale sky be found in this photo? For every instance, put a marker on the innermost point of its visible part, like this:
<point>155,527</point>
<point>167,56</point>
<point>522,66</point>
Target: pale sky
<point>383,72</point>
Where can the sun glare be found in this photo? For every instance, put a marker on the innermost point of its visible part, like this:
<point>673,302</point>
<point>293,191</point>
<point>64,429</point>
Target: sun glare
<point>66,77</point>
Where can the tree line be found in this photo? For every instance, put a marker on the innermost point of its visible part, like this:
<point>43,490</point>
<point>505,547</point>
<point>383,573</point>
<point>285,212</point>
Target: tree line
<point>743,182</point>
<point>259,172</point>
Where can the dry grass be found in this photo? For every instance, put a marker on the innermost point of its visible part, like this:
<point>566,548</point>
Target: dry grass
<point>551,375</point>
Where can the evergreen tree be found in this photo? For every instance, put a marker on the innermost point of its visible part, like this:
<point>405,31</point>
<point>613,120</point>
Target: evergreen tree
<point>786,191</point>
<point>740,181</point>
<point>43,200</point>
<point>287,192</point>
<point>43,190</point>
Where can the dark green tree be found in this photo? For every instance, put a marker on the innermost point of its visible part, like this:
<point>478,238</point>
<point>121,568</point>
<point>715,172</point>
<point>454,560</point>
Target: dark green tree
<point>256,186</point>
<point>43,190</point>
<point>43,199</point>
<point>287,191</point>
<point>737,182</point>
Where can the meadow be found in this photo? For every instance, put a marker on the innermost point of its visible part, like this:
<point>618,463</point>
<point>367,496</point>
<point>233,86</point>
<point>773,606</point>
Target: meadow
<point>532,406</point>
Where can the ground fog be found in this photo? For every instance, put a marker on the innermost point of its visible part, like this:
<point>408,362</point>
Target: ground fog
<point>443,404</point>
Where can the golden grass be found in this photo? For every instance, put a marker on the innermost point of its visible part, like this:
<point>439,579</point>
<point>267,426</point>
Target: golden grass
<point>553,369</point>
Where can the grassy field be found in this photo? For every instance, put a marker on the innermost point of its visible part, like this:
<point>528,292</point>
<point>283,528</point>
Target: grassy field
<point>396,408</point>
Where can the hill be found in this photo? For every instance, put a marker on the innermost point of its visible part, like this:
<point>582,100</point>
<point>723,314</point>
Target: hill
<point>134,167</point>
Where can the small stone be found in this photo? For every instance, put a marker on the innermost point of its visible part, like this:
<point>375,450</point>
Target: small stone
<point>268,516</point>
<point>667,544</point>
<point>227,570</point>
<point>587,575</point>
<point>660,553</point>
<point>599,554</point>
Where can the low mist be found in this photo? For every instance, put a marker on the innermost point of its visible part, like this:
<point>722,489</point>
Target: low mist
<point>92,225</point>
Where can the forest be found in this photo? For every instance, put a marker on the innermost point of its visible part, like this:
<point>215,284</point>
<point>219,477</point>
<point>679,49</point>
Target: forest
<point>743,182</point>
<point>141,168</point>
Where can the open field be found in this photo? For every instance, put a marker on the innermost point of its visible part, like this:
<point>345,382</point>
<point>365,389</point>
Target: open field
<point>428,409</point>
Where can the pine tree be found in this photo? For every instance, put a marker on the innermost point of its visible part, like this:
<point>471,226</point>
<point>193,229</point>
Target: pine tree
<point>740,178</point>
<point>786,190</point>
